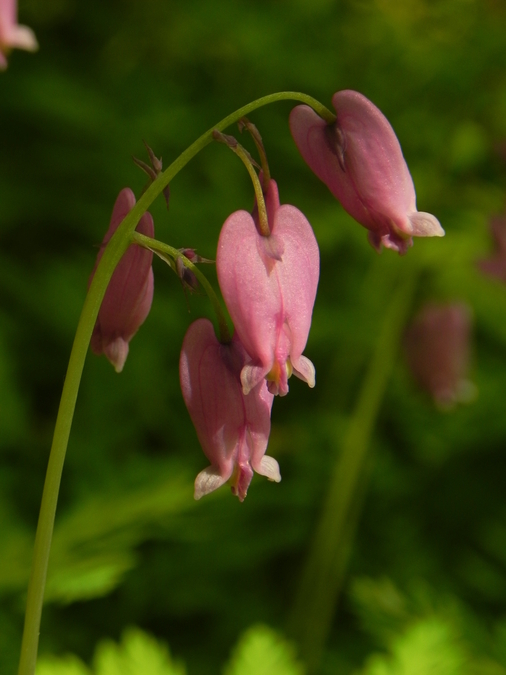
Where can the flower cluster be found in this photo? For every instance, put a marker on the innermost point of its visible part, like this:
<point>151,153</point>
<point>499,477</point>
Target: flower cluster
<point>269,285</point>
<point>268,269</point>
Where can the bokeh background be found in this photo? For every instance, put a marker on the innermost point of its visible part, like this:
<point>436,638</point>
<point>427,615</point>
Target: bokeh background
<point>424,586</point>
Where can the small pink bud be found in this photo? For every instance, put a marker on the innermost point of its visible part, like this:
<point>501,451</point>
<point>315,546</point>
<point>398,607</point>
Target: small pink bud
<point>128,297</point>
<point>438,352</point>
<point>496,265</point>
<point>233,429</point>
<point>12,35</point>
<point>269,286</point>
<point>360,160</point>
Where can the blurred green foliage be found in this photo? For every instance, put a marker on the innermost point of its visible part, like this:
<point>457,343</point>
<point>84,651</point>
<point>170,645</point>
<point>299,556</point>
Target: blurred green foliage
<point>426,584</point>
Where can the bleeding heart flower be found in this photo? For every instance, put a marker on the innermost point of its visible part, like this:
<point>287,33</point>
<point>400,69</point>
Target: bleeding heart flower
<point>269,285</point>
<point>11,34</point>
<point>128,297</point>
<point>360,160</point>
<point>438,352</point>
<point>233,429</point>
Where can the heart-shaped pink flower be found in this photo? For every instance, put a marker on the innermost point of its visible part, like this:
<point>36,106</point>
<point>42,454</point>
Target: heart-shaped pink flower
<point>269,285</point>
<point>128,297</point>
<point>360,160</point>
<point>438,345</point>
<point>233,429</point>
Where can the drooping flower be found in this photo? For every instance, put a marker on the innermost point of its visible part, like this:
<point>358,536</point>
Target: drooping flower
<point>496,265</point>
<point>438,352</point>
<point>11,34</point>
<point>269,286</point>
<point>233,429</point>
<point>360,160</point>
<point>129,295</point>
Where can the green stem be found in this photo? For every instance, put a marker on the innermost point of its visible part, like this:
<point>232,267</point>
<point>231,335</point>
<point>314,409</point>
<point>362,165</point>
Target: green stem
<point>117,245</point>
<point>164,250</point>
<point>35,596</point>
<point>245,157</point>
<point>325,566</point>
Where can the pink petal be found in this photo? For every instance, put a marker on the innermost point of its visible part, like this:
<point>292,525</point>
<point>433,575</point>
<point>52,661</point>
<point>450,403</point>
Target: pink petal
<point>128,297</point>
<point>360,160</point>
<point>233,429</point>
<point>251,294</point>
<point>270,298</point>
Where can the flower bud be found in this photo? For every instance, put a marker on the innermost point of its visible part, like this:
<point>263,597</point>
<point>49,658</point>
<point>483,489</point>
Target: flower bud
<point>438,352</point>
<point>495,266</point>
<point>360,160</point>
<point>129,295</point>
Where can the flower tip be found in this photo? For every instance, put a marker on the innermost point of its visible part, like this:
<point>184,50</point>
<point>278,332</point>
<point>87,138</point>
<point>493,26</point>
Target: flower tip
<point>269,468</point>
<point>24,38</point>
<point>207,481</point>
<point>117,352</point>
<point>304,369</point>
<point>251,375</point>
<point>425,225</point>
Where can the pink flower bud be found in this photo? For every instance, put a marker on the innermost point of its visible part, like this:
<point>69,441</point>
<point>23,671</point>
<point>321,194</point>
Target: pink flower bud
<point>496,265</point>
<point>360,160</point>
<point>269,286</point>
<point>128,297</point>
<point>13,35</point>
<point>438,352</point>
<point>233,429</point>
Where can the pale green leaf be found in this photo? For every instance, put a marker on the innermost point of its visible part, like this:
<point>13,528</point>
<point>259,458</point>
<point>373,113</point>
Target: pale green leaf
<point>138,654</point>
<point>262,651</point>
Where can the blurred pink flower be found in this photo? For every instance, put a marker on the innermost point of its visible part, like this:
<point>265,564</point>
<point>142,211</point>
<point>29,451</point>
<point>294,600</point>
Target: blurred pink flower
<point>11,34</point>
<point>233,429</point>
<point>360,160</point>
<point>438,352</point>
<point>269,286</point>
<point>496,265</point>
<point>128,297</point>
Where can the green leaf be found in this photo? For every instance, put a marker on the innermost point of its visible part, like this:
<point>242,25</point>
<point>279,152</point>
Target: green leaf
<point>429,646</point>
<point>262,651</point>
<point>66,665</point>
<point>138,654</point>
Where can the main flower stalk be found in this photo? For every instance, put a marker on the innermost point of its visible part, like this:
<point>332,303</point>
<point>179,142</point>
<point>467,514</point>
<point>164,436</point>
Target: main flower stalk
<point>113,253</point>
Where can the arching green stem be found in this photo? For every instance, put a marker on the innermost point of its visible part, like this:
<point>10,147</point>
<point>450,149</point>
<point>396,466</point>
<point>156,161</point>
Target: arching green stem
<point>113,252</point>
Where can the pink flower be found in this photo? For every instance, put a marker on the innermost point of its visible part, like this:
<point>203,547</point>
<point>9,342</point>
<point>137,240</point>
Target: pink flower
<point>11,34</point>
<point>233,429</point>
<point>438,352</point>
<point>360,160</point>
<point>128,297</point>
<point>269,286</point>
<point>496,265</point>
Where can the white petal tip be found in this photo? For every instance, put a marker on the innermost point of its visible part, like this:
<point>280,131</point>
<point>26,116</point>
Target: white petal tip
<point>269,468</point>
<point>207,481</point>
<point>425,225</point>
<point>251,376</point>
<point>117,352</point>
<point>305,370</point>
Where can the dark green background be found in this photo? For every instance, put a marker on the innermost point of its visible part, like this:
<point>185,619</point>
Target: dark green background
<point>131,546</point>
